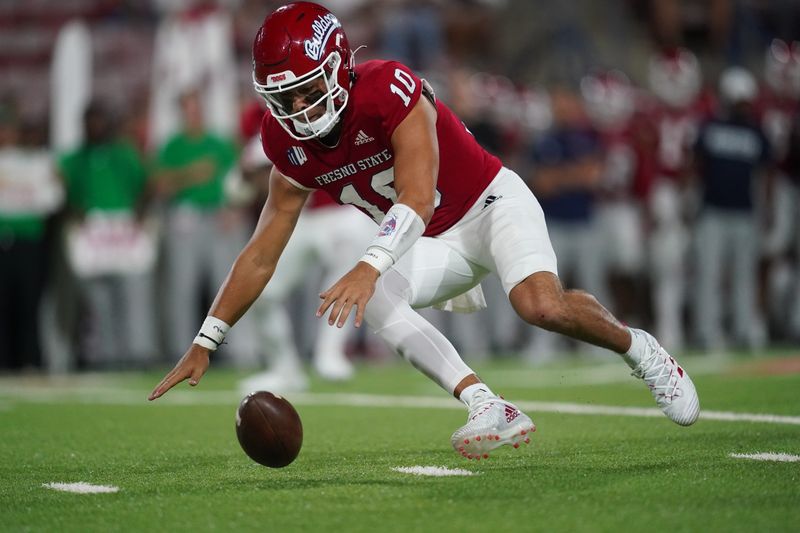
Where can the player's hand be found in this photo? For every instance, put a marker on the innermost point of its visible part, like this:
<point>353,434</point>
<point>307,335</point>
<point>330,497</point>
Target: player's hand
<point>354,289</point>
<point>192,365</point>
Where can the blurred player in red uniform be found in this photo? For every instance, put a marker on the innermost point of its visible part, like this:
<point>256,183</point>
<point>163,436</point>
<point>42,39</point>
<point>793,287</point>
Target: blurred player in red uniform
<point>675,79</point>
<point>374,136</point>
<point>778,109</point>
<point>627,174</point>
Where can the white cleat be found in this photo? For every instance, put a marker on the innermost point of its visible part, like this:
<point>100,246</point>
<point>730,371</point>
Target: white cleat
<point>492,422</point>
<point>669,383</point>
<point>273,381</point>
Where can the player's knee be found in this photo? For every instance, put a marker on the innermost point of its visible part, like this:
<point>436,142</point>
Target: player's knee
<point>390,290</point>
<point>541,301</point>
<point>542,311</point>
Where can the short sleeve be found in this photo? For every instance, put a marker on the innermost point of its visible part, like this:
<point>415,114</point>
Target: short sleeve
<point>227,154</point>
<point>166,155</point>
<point>394,92</point>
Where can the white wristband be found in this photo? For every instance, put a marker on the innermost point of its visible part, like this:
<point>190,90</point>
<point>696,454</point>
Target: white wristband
<point>378,259</point>
<point>399,230</point>
<point>211,333</point>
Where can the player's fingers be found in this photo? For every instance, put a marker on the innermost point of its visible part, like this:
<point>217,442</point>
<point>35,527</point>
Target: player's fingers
<point>326,303</point>
<point>359,314</point>
<point>346,308</point>
<point>336,310</point>
<point>170,381</point>
<point>197,373</point>
<point>157,390</point>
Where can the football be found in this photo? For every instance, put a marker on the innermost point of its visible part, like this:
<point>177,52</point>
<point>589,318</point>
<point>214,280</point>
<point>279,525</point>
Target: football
<point>269,429</point>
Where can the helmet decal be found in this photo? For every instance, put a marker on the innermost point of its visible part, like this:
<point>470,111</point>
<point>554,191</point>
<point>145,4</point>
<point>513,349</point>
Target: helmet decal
<point>323,28</point>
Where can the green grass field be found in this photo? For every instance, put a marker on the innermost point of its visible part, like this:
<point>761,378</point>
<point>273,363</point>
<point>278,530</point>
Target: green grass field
<point>179,466</point>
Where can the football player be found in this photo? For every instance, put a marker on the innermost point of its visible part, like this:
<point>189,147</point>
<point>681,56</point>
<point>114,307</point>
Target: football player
<point>627,143</point>
<point>448,212</point>
<point>675,78</point>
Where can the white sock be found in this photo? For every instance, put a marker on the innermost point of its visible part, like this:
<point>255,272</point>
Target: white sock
<point>634,353</point>
<point>468,394</point>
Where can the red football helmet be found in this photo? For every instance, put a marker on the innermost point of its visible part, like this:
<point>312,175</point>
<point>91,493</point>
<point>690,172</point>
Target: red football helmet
<point>782,68</point>
<point>609,98</point>
<point>301,49</point>
<point>674,76</point>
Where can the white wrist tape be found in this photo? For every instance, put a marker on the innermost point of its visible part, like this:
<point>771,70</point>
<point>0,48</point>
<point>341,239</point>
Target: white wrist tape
<point>399,230</point>
<point>212,333</point>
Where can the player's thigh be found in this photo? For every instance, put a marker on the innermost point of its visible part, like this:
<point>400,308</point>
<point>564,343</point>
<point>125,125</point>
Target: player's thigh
<point>436,272</point>
<point>513,231</point>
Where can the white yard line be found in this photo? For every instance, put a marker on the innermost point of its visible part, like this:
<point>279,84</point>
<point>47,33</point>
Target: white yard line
<point>768,456</point>
<point>81,487</point>
<point>434,471</point>
<point>114,396</point>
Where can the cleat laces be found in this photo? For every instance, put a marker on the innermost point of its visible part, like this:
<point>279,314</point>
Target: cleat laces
<point>659,371</point>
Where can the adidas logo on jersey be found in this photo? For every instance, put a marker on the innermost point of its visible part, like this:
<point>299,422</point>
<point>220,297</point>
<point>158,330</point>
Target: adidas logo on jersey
<point>363,138</point>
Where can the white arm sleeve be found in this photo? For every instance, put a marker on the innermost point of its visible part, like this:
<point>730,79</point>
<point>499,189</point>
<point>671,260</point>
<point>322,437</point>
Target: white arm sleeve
<point>399,230</point>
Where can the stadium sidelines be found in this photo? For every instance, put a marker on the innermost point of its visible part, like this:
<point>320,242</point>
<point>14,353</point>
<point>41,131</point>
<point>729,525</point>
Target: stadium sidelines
<point>112,396</point>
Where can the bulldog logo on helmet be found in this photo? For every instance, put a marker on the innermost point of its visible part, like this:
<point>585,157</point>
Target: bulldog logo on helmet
<point>323,27</point>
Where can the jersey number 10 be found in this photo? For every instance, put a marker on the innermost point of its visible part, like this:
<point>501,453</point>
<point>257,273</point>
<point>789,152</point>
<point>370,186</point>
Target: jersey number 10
<point>382,184</point>
<point>407,82</point>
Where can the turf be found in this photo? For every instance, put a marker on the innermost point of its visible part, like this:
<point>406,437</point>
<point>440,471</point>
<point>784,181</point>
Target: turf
<point>180,468</point>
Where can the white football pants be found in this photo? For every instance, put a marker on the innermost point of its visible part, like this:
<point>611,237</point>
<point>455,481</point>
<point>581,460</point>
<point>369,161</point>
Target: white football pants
<point>506,235</point>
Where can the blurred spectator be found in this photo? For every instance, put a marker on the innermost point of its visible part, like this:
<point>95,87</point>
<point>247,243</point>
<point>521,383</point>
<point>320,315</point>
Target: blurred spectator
<point>29,193</point>
<point>731,151</point>
<point>110,250</point>
<point>627,148</point>
<point>412,33</point>
<point>565,180</point>
<point>202,236</point>
<point>699,22</point>
<point>680,106</point>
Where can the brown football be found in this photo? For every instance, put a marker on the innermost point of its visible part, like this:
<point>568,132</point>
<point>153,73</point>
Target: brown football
<point>269,429</point>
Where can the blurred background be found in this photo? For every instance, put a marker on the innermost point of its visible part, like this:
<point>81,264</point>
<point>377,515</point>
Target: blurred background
<point>661,137</point>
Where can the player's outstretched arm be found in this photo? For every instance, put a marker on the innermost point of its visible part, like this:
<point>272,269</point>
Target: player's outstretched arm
<point>247,278</point>
<point>416,168</point>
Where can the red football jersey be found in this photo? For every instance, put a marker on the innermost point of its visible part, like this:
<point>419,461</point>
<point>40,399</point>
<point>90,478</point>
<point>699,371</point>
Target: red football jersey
<point>776,115</point>
<point>677,132</point>
<point>359,170</point>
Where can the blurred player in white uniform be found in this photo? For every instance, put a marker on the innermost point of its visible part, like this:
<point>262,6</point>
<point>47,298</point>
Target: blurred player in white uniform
<point>778,108</point>
<point>327,235</point>
<point>610,102</point>
<point>675,79</point>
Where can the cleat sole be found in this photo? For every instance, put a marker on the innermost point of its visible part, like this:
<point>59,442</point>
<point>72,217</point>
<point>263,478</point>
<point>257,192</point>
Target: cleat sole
<point>478,446</point>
